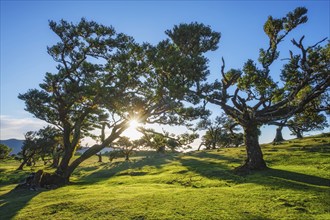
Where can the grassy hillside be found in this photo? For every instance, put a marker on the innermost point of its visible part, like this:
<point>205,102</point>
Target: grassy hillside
<point>196,185</point>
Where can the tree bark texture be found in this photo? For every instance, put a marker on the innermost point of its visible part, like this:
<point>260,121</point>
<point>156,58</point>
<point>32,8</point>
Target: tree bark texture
<point>68,154</point>
<point>254,159</point>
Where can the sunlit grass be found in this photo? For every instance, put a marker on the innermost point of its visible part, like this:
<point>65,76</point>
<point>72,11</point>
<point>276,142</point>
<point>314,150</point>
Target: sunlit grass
<point>197,185</point>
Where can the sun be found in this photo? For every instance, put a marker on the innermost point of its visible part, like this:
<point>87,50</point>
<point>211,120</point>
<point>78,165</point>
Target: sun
<point>132,132</point>
<point>133,124</point>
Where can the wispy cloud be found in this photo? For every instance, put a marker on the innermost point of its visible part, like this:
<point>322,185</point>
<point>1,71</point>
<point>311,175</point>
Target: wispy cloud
<point>11,127</point>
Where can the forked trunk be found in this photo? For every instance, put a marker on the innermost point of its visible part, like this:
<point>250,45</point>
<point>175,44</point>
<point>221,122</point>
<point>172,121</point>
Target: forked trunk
<point>65,169</point>
<point>254,159</point>
<point>68,154</point>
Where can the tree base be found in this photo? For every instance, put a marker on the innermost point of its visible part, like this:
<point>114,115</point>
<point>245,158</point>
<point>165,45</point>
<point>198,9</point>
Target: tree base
<point>41,179</point>
<point>278,141</point>
<point>247,168</point>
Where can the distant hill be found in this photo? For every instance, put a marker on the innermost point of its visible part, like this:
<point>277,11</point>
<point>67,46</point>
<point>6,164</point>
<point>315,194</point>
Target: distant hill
<point>14,144</point>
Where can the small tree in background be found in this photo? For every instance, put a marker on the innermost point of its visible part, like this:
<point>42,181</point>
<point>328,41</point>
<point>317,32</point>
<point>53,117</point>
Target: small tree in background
<point>310,119</point>
<point>29,150</point>
<point>162,141</point>
<point>219,133</point>
<point>306,121</point>
<point>43,144</point>
<point>126,147</point>
<point>4,151</point>
<point>114,154</point>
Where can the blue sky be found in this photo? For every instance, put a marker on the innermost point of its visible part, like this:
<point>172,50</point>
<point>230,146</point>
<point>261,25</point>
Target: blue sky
<point>25,35</point>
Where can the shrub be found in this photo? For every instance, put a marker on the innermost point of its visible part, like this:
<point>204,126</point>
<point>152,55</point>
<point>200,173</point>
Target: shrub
<point>4,151</point>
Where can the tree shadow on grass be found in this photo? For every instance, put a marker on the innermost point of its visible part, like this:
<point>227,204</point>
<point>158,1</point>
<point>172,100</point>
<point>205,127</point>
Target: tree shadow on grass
<point>320,148</point>
<point>291,179</point>
<point>270,177</point>
<point>212,170</point>
<point>208,155</point>
<point>15,200</point>
<point>118,168</point>
<point>205,154</point>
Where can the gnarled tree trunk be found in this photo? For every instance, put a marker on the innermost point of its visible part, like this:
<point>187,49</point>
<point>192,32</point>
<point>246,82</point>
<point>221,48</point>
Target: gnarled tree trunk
<point>254,159</point>
<point>64,165</point>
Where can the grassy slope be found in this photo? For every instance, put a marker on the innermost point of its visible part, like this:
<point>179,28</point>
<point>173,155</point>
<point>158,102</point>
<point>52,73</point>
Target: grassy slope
<point>197,185</point>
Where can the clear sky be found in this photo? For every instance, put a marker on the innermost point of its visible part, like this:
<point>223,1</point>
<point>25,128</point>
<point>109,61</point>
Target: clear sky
<point>25,35</point>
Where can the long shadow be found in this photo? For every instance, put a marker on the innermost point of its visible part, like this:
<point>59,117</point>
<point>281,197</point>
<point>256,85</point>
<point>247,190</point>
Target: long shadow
<point>292,179</point>
<point>205,154</point>
<point>270,177</point>
<point>320,147</point>
<point>212,170</point>
<point>15,200</point>
<point>117,169</point>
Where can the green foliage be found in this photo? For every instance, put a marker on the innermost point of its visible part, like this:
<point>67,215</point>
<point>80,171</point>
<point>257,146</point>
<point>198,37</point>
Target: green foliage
<point>125,147</point>
<point>44,143</point>
<point>255,82</point>
<point>196,185</point>
<point>4,151</point>
<point>104,77</point>
<point>273,27</point>
<point>166,141</point>
<point>220,133</point>
<point>194,38</point>
<point>252,98</point>
<point>308,120</point>
<point>114,154</point>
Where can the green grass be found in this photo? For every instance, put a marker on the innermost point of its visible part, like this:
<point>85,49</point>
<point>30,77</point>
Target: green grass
<point>196,185</point>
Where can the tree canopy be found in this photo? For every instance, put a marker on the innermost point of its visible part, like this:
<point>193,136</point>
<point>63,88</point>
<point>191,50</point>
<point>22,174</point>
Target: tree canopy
<point>4,151</point>
<point>256,98</point>
<point>105,77</point>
